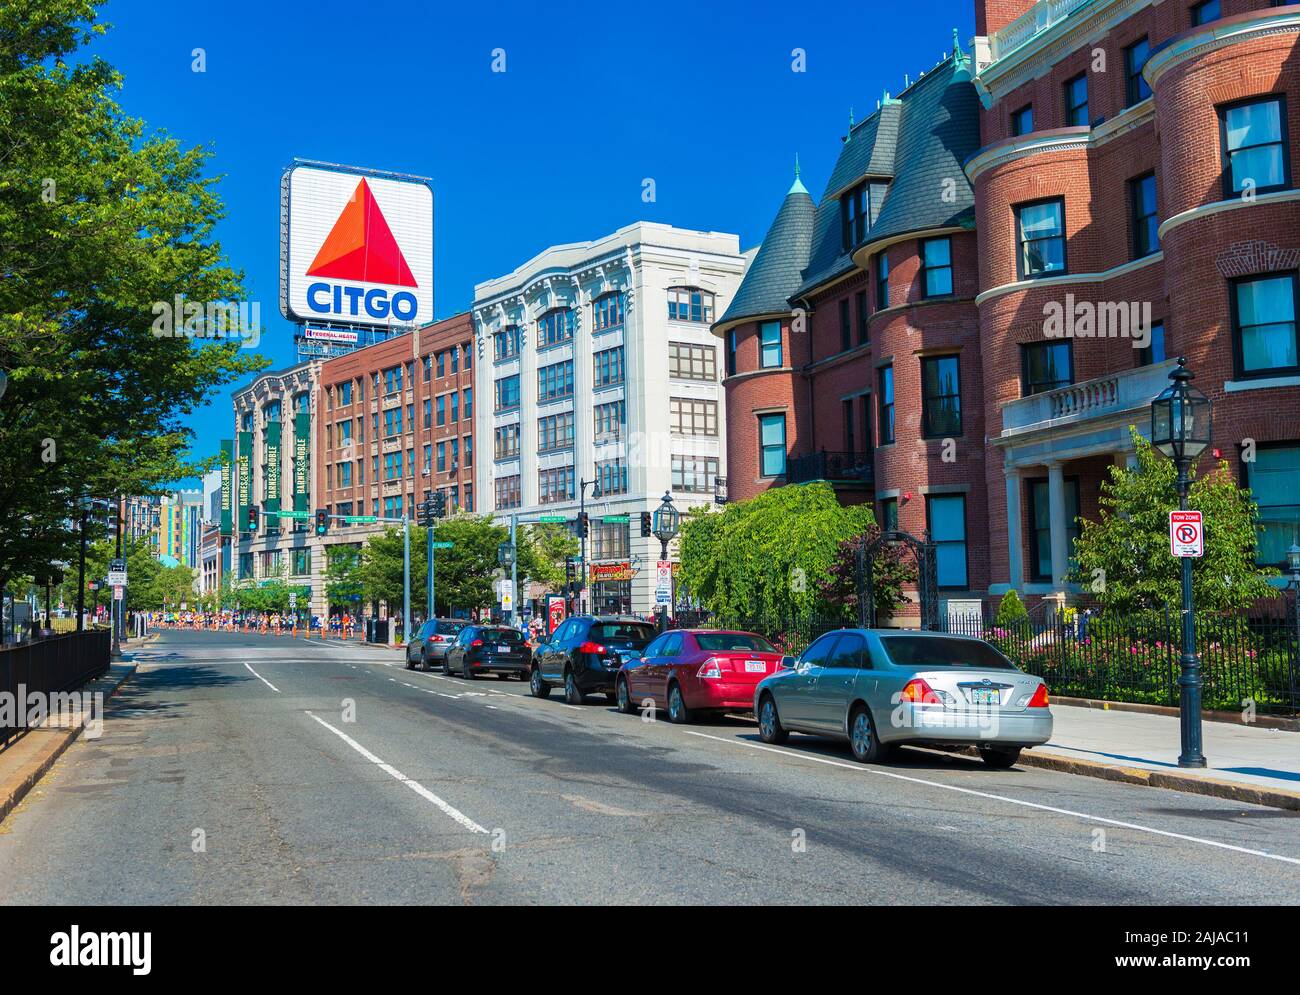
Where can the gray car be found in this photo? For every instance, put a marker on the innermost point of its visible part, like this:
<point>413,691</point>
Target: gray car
<point>879,688</point>
<point>430,643</point>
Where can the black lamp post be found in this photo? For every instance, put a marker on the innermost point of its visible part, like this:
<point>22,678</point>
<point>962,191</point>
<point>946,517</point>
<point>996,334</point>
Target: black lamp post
<point>1293,564</point>
<point>667,522</point>
<point>1180,428</point>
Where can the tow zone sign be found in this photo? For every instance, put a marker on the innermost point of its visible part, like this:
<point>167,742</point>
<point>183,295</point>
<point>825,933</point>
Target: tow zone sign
<point>1186,533</point>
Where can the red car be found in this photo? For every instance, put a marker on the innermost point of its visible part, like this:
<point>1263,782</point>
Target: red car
<point>689,671</point>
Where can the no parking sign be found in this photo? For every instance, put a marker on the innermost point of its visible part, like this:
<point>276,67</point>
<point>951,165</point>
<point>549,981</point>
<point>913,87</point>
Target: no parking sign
<point>1186,533</point>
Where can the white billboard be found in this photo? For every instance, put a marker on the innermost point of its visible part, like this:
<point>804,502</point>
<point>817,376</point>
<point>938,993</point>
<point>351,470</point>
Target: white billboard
<point>356,247</point>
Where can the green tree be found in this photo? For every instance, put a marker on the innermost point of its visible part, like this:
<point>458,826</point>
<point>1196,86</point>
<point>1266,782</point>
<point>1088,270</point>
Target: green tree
<point>1010,609</point>
<point>542,551</point>
<point>770,556</point>
<point>1123,557</point>
<point>99,221</point>
<point>344,586</point>
<point>891,570</point>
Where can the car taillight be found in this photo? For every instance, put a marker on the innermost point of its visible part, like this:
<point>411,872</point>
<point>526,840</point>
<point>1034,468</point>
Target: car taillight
<point>1039,700</point>
<point>919,692</point>
<point>476,642</point>
<point>439,639</point>
<point>590,647</point>
<point>710,668</point>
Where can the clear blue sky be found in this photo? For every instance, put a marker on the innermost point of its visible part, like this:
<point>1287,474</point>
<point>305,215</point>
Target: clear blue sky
<point>596,96</point>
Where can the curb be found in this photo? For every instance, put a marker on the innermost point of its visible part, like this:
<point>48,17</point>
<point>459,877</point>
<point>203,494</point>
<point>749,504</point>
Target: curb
<point>1232,718</point>
<point>1189,784</point>
<point>40,765</point>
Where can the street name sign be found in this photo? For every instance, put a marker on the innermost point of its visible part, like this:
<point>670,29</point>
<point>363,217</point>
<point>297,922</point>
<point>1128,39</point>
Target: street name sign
<point>1186,533</point>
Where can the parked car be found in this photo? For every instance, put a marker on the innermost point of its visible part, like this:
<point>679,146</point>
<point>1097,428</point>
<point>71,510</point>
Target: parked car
<point>431,641</point>
<point>689,671</point>
<point>488,649</point>
<point>880,688</point>
<point>584,654</point>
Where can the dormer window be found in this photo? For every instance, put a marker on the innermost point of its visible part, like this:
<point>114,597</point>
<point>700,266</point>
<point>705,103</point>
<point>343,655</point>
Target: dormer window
<point>855,216</point>
<point>690,304</point>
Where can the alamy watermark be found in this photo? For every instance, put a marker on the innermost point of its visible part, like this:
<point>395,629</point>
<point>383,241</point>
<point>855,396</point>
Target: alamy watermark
<point>1073,319</point>
<point>208,320</point>
<point>57,710</point>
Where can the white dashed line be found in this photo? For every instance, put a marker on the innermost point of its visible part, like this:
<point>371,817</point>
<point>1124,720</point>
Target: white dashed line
<point>415,786</point>
<point>263,679</point>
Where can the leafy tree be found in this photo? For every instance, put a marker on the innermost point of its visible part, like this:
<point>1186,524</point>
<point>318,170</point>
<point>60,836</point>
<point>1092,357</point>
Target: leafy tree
<point>1123,557</point>
<point>343,584</point>
<point>99,220</point>
<point>892,568</point>
<point>1010,609</point>
<point>769,556</point>
<point>542,551</point>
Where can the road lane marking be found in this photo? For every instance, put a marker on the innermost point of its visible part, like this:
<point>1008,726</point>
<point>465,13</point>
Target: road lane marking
<point>1001,798</point>
<point>415,786</point>
<point>263,679</point>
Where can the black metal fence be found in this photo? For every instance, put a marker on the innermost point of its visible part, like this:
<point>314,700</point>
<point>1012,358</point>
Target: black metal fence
<point>1246,661</point>
<point>48,666</point>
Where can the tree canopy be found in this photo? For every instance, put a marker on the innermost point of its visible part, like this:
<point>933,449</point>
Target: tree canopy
<point>100,219</point>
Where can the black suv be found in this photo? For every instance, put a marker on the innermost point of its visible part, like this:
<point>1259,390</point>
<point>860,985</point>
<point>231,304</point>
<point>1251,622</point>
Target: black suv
<point>583,655</point>
<point>482,649</point>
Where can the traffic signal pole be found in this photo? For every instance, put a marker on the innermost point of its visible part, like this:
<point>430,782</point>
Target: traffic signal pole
<point>406,578</point>
<point>514,566</point>
<point>429,536</point>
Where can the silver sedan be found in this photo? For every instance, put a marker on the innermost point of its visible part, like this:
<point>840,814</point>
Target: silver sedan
<point>878,688</point>
<point>429,644</point>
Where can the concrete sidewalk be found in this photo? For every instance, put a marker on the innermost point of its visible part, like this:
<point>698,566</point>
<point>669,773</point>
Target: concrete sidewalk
<point>1253,759</point>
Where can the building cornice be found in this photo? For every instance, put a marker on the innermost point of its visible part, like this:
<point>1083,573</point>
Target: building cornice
<point>1218,207</point>
<point>1070,278</point>
<point>1220,34</point>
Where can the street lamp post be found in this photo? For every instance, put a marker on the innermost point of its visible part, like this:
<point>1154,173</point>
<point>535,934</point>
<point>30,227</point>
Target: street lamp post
<point>1293,564</point>
<point>1180,428</point>
<point>666,524</point>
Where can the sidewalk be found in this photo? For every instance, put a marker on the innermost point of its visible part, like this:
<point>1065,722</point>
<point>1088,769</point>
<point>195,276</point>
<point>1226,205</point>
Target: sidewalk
<point>1246,762</point>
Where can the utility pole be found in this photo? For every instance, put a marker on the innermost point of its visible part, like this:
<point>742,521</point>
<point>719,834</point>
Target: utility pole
<point>115,605</point>
<point>406,576</point>
<point>429,537</point>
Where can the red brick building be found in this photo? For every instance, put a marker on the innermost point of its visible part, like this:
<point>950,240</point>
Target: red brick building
<point>853,343</point>
<point>1005,262</point>
<point>1136,173</point>
<point>396,423</point>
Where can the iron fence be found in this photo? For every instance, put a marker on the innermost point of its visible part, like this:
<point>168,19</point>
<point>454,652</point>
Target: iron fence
<point>1246,661</point>
<point>48,666</point>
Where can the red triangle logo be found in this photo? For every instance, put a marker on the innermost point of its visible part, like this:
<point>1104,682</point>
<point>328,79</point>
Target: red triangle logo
<point>361,246</point>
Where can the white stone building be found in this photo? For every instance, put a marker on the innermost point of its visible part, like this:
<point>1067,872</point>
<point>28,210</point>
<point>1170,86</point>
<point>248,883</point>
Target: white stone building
<point>597,372</point>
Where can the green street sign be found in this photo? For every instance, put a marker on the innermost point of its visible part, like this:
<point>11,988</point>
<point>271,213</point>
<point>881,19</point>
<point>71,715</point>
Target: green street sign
<point>615,519</point>
<point>443,545</point>
<point>551,518</point>
<point>359,519</point>
<point>300,515</point>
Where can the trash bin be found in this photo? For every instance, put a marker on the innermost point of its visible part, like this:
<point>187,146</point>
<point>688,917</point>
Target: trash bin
<point>376,630</point>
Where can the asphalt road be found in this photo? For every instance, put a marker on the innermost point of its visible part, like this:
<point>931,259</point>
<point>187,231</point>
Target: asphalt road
<point>250,769</point>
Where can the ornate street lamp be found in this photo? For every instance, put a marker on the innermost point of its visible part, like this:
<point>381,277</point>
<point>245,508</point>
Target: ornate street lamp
<point>665,525</point>
<point>1180,428</point>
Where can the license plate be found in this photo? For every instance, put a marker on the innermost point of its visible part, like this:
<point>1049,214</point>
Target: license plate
<point>503,649</point>
<point>755,667</point>
<point>985,696</point>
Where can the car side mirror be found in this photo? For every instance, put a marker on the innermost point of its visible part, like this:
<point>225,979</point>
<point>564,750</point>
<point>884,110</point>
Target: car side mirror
<point>788,662</point>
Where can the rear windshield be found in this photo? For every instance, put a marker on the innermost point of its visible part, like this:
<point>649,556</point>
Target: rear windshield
<point>450,628</point>
<point>622,630</point>
<point>715,641</point>
<point>503,635</point>
<point>940,651</point>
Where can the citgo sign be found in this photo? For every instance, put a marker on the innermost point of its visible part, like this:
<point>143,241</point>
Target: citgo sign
<point>357,247</point>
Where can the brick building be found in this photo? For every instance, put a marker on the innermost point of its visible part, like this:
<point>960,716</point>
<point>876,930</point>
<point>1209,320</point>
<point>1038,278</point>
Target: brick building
<point>1136,162</point>
<point>395,422</point>
<point>1004,263</point>
<point>852,345</point>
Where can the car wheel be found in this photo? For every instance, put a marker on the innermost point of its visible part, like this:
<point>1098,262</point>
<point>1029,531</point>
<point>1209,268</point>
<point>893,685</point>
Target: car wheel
<point>538,687</point>
<point>677,710</point>
<point>623,697</point>
<point>465,672</point>
<point>572,693</point>
<point>1000,759</point>
<point>863,741</point>
<point>770,729</point>
<point>424,661</point>
<point>410,664</point>
<point>446,664</point>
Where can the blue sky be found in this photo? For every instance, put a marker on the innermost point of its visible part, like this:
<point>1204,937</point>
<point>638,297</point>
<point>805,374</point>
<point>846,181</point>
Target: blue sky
<point>596,96</point>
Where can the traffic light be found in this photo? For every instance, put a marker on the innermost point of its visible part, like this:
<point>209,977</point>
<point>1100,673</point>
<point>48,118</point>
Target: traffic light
<point>570,570</point>
<point>645,524</point>
<point>252,518</point>
<point>583,520</point>
<point>322,521</point>
<point>439,504</point>
<point>426,511</point>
